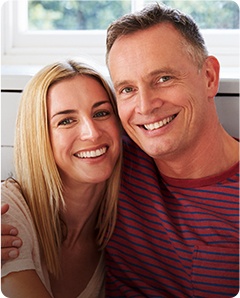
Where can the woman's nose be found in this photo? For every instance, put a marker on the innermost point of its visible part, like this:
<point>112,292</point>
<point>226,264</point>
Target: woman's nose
<point>89,130</point>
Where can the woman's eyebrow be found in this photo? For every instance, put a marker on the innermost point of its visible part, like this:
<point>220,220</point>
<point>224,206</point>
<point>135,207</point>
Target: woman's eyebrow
<point>99,103</point>
<point>71,111</point>
<point>64,112</point>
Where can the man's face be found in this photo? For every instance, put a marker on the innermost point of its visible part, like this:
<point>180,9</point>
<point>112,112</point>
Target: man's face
<point>163,97</point>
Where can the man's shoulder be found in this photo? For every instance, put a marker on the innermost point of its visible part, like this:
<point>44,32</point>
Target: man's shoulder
<point>131,149</point>
<point>136,163</point>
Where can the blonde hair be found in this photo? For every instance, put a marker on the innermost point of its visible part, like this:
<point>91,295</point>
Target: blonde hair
<point>37,172</point>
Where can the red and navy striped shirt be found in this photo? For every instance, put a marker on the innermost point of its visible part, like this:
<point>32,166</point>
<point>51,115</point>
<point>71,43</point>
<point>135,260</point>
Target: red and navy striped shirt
<point>173,237</point>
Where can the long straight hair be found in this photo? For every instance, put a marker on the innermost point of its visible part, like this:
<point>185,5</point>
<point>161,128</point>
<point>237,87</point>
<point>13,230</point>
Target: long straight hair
<point>37,172</point>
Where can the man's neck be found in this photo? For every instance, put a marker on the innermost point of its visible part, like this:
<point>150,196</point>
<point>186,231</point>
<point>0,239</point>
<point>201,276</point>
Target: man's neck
<point>211,157</point>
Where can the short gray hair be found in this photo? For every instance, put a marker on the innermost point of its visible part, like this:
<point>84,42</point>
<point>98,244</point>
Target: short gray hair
<point>155,14</point>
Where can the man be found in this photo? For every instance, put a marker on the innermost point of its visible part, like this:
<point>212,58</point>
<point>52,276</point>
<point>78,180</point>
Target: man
<point>177,229</point>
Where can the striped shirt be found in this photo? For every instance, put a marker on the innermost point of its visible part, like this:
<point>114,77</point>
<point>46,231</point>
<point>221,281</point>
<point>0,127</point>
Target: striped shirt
<point>173,237</point>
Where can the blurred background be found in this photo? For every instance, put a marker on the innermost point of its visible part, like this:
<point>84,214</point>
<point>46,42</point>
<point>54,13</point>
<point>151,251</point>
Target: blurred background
<point>34,33</point>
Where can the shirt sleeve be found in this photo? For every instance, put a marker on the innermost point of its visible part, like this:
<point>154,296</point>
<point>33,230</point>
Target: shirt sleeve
<point>19,216</point>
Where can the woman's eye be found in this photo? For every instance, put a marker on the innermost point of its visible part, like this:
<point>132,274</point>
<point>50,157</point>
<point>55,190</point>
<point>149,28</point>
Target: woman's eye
<point>101,114</point>
<point>65,122</point>
<point>164,79</point>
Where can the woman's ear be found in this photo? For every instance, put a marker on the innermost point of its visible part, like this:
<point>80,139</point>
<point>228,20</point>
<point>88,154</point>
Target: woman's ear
<point>212,68</point>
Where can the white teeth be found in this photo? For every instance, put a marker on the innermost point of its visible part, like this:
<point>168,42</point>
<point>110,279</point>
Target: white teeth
<point>92,153</point>
<point>159,124</point>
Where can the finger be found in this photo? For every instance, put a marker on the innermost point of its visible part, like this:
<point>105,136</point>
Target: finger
<point>4,208</point>
<point>10,242</point>
<point>9,254</point>
<point>8,230</point>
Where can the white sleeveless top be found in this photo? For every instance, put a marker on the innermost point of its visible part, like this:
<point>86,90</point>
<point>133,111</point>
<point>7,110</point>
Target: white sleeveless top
<point>19,216</point>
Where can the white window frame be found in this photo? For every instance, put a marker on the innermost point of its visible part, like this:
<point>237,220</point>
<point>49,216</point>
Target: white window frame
<point>20,46</point>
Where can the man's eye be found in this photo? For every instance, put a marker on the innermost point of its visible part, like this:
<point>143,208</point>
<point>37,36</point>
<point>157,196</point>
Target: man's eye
<point>101,114</point>
<point>127,90</point>
<point>164,79</point>
<point>65,122</point>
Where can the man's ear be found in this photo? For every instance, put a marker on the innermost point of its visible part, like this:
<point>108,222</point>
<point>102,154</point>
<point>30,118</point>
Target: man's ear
<point>212,68</point>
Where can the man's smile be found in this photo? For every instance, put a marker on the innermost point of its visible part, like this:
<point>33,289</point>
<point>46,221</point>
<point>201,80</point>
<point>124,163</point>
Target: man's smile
<point>160,123</point>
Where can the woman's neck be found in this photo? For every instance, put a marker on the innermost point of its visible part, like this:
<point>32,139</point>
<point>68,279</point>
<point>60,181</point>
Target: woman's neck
<point>79,255</point>
<point>81,211</point>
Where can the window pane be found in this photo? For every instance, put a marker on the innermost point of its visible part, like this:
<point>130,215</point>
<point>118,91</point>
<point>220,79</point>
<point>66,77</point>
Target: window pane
<point>97,15</point>
<point>211,14</point>
<point>74,15</point>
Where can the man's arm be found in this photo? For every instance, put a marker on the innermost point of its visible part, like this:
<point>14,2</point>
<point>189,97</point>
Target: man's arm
<point>9,240</point>
<point>23,284</point>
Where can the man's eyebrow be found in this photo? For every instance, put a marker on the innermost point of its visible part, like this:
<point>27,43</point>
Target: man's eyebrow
<point>162,71</point>
<point>118,84</point>
<point>71,111</point>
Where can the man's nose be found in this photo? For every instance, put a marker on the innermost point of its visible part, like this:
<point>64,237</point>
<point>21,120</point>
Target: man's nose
<point>147,100</point>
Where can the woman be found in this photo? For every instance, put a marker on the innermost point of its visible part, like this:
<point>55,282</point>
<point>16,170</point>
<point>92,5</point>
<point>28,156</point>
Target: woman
<point>64,198</point>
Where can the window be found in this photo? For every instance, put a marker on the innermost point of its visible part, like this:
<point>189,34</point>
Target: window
<point>92,15</point>
<point>75,15</point>
<point>39,32</point>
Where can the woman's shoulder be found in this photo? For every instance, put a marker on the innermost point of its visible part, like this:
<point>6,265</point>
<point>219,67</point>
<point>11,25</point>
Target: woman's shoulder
<point>11,194</point>
<point>10,184</point>
<point>11,191</point>
<point>19,216</point>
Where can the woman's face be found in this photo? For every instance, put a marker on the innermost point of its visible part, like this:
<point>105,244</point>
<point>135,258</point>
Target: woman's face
<point>84,130</point>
